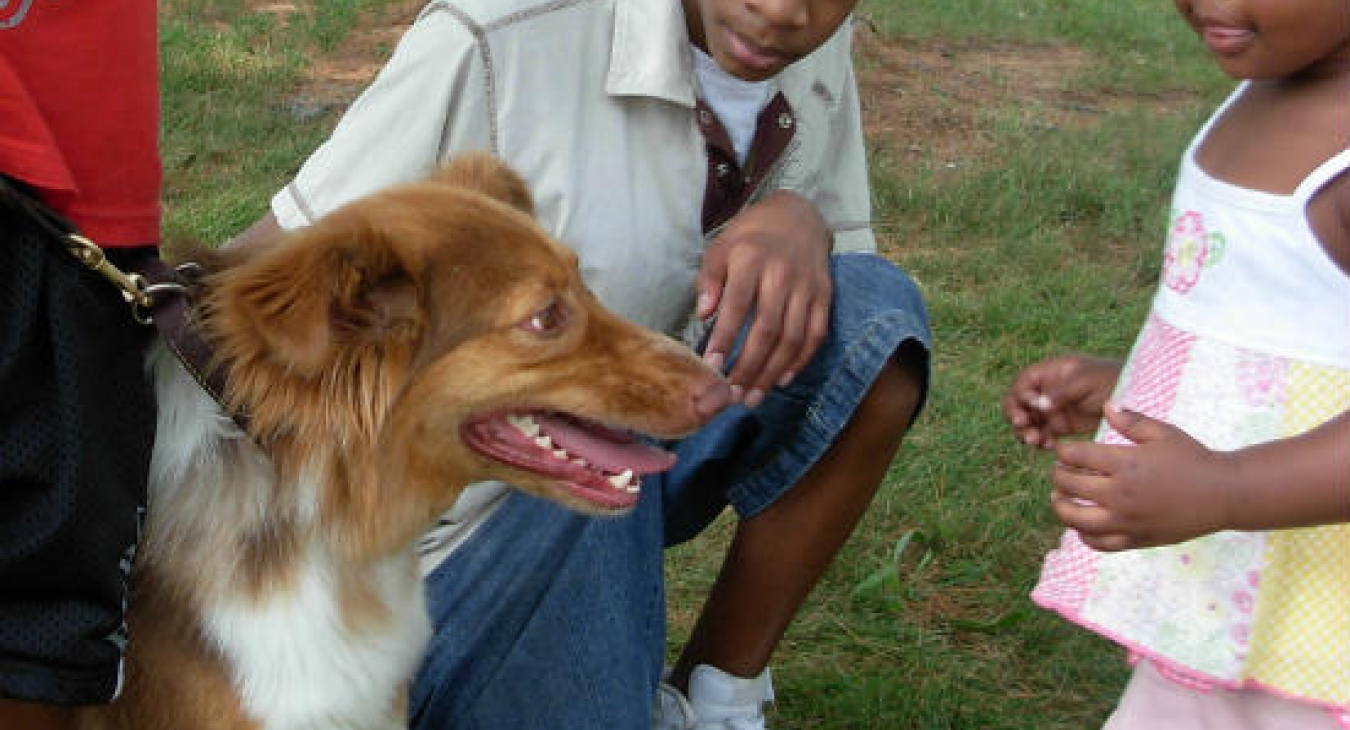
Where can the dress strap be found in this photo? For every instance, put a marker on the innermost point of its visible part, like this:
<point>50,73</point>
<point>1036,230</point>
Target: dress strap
<point>1323,174</point>
<point>1214,118</point>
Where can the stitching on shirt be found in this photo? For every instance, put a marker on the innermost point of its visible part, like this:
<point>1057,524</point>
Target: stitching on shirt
<point>479,34</point>
<point>301,203</point>
<point>528,13</point>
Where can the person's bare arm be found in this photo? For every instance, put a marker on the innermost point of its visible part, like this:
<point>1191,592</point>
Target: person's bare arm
<point>259,234</point>
<point>35,716</point>
<point>1318,462</point>
<point>1166,487</point>
<point>1058,397</point>
<point>769,267</point>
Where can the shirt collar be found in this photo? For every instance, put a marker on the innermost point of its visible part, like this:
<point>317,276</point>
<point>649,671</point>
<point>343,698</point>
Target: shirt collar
<point>650,54</point>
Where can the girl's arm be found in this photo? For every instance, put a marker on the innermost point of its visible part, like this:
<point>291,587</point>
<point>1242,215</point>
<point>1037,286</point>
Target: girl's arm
<point>1058,397</point>
<point>1167,487</point>
<point>1318,462</point>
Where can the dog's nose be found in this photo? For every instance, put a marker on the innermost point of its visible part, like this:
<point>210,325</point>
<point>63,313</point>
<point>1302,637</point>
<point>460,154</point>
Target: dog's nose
<point>713,397</point>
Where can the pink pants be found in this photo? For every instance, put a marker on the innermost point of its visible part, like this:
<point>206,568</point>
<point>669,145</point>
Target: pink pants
<point>1153,702</point>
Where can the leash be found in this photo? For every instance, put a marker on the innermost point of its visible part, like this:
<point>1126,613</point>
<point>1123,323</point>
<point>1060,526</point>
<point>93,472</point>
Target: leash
<point>158,295</point>
<point>166,301</point>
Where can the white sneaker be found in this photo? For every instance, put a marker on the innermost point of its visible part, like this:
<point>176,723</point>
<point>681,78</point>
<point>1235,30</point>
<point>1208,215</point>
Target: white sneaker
<point>723,702</point>
<point>671,710</point>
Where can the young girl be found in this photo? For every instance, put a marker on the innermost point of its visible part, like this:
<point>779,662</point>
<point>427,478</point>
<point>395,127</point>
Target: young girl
<point>1225,449</point>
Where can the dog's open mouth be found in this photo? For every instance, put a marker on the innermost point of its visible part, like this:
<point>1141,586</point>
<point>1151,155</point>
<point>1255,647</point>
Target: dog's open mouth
<point>597,464</point>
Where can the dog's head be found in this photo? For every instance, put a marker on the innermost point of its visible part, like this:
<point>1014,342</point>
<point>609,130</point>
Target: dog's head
<point>432,335</point>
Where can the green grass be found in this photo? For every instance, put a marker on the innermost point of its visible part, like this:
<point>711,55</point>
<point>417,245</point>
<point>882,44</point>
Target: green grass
<point>1048,245</point>
<point>1137,41</point>
<point>233,134</point>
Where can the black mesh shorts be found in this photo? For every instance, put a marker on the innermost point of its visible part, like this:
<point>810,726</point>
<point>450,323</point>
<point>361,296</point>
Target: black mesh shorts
<point>76,430</point>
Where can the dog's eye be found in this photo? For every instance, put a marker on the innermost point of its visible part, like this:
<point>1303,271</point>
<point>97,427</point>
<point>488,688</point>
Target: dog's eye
<point>547,320</point>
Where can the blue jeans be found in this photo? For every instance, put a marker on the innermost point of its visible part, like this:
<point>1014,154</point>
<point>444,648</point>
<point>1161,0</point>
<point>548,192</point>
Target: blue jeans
<point>550,620</point>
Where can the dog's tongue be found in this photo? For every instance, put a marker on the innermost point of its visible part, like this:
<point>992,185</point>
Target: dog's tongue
<point>606,448</point>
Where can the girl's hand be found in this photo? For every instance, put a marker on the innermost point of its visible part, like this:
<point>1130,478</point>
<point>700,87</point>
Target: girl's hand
<point>1061,396</point>
<point>770,266</point>
<point>1164,489</point>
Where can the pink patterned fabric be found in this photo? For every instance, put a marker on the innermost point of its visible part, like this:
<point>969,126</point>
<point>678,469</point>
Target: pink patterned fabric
<point>1147,386</point>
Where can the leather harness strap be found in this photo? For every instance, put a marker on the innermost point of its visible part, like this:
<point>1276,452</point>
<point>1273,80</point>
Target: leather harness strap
<point>171,310</point>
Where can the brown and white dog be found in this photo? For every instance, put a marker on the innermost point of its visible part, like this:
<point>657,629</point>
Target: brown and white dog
<point>410,343</point>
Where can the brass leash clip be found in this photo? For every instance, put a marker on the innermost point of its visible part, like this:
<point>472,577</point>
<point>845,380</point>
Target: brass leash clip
<point>133,286</point>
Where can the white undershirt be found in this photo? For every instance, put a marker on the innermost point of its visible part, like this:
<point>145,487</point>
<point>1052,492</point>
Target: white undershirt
<point>736,102</point>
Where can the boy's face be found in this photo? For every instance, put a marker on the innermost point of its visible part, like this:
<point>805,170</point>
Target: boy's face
<point>755,39</point>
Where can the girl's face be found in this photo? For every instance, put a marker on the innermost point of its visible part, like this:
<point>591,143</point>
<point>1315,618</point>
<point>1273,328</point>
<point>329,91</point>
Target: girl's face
<point>756,39</point>
<point>1265,39</point>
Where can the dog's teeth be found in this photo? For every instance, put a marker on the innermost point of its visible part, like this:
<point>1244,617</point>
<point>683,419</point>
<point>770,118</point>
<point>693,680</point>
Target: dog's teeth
<point>578,461</point>
<point>561,454</point>
<point>543,442</point>
<point>622,481</point>
<point>524,424</point>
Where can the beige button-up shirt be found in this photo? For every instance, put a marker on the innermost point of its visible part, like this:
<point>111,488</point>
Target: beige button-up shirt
<point>593,102</point>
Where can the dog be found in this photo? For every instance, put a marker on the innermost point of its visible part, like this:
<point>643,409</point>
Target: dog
<point>420,339</point>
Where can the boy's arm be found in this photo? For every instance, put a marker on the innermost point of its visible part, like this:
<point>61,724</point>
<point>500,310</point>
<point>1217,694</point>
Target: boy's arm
<point>257,235</point>
<point>768,269</point>
<point>770,266</point>
<point>35,716</point>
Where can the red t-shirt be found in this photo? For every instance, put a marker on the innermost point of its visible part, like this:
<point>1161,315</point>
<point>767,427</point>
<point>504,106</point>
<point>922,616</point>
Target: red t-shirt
<point>79,112</point>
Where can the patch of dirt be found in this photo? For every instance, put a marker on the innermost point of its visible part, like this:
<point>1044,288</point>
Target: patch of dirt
<point>930,98</point>
<point>333,79</point>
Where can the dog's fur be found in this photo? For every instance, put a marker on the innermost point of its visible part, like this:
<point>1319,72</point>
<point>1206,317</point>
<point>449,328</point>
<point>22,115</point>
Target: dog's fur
<point>376,354</point>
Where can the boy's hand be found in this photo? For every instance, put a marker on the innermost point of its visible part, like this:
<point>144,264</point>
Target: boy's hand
<point>1061,396</point>
<point>1164,489</point>
<point>770,263</point>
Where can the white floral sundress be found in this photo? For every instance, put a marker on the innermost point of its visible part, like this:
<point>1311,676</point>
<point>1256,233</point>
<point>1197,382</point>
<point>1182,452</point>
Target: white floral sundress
<point>1248,340</point>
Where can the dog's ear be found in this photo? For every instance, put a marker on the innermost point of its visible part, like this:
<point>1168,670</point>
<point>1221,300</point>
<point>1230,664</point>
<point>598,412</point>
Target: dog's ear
<point>486,174</point>
<point>304,299</point>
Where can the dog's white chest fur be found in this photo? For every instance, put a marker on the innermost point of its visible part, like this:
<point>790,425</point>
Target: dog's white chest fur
<point>298,665</point>
<point>322,643</point>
